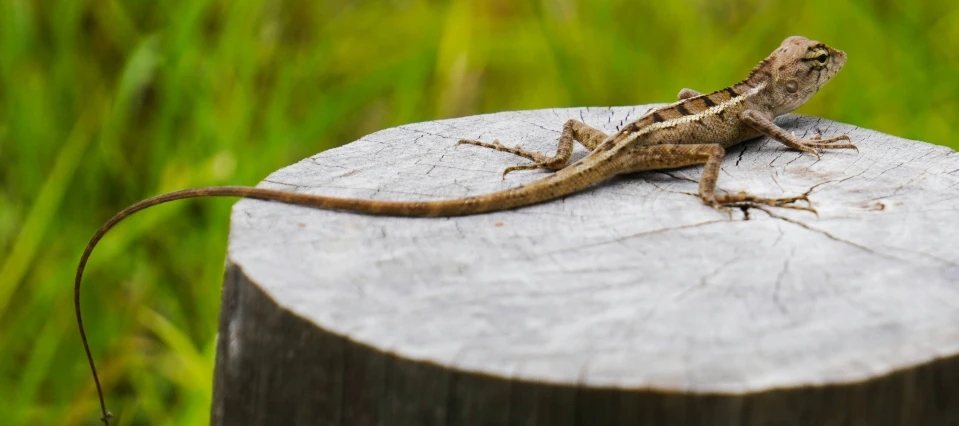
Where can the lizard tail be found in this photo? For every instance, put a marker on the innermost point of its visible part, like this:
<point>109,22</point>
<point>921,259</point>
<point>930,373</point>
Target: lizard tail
<point>568,180</point>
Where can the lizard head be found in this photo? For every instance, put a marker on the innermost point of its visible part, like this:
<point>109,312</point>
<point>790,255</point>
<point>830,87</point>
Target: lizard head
<point>798,69</point>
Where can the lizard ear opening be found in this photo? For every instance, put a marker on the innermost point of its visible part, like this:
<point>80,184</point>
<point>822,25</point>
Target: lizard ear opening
<point>792,86</point>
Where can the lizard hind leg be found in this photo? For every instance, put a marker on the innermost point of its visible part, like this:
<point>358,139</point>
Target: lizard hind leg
<point>573,130</point>
<point>659,157</point>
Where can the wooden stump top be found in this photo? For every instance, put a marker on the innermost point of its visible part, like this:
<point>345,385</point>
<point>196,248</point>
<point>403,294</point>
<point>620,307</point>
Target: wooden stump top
<point>633,283</point>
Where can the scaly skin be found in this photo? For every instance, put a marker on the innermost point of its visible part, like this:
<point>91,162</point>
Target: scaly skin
<point>695,130</point>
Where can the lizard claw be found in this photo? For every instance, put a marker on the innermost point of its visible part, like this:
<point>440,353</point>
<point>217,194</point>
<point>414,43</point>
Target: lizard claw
<point>779,202</point>
<point>803,208</point>
<point>819,139</point>
<point>493,145</point>
<point>810,150</point>
<point>525,167</point>
<point>513,169</point>
<point>718,206</point>
<point>786,203</point>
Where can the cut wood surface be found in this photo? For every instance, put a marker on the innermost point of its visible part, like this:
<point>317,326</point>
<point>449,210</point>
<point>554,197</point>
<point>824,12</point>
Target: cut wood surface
<point>605,300</point>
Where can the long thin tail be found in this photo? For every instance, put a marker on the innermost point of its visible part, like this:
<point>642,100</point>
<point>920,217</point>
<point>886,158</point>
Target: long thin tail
<point>570,179</point>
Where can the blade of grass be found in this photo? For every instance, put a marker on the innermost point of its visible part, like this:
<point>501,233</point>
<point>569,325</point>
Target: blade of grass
<point>37,370</point>
<point>194,369</point>
<point>46,205</point>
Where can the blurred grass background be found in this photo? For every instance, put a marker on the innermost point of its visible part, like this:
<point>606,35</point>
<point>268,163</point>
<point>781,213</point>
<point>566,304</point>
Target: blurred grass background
<point>103,103</point>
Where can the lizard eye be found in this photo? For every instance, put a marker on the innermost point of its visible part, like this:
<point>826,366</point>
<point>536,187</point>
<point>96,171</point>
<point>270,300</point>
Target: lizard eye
<point>817,58</point>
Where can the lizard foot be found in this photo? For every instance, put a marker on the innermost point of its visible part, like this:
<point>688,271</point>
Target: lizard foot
<point>810,145</point>
<point>818,142</point>
<point>534,156</point>
<point>722,201</point>
<point>540,165</point>
<point>541,161</point>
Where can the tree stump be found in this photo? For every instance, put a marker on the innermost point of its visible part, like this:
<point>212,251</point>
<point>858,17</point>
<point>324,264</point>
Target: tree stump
<point>630,303</point>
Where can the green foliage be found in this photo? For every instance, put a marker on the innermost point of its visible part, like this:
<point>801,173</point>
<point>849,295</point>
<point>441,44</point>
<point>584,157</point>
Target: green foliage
<point>103,103</point>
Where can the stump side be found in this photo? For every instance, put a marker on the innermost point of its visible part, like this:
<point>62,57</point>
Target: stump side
<point>630,293</point>
<point>274,367</point>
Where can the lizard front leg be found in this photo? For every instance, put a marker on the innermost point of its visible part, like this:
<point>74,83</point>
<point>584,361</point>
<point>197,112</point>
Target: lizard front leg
<point>659,157</point>
<point>764,125</point>
<point>573,130</point>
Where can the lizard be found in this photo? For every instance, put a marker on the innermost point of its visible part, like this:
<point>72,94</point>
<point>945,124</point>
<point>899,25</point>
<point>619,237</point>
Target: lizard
<point>695,130</point>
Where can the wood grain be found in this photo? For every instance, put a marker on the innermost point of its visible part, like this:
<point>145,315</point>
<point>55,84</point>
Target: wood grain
<point>628,303</point>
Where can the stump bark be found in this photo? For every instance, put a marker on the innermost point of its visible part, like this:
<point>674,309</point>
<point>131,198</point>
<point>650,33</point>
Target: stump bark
<point>630,303</point>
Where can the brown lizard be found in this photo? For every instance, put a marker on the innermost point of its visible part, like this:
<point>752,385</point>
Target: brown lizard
<point>695,130</point>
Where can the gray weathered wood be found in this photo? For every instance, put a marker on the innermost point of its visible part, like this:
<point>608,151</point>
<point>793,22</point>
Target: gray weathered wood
<point>628,303</point>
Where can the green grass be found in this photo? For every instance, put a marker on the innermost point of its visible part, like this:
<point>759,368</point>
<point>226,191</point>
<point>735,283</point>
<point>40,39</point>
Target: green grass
<point>103,103</point>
